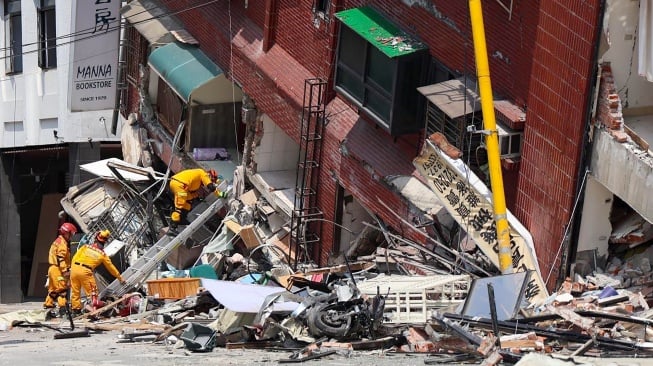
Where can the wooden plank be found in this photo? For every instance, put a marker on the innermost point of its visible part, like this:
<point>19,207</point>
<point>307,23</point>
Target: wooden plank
<point>249,198</point>
<point>233,226</point>
<point>107,306</point>
<point>46,233</point>
<point>122,326</point>
<point>636,138</point>
<point>249,236</point>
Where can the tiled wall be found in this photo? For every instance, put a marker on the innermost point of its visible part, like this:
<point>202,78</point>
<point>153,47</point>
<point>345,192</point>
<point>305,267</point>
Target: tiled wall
<point>276,151</point>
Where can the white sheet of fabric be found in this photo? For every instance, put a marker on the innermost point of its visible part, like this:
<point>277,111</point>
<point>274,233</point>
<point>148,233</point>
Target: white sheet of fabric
<point>645,59</point>
<point>30,316</point>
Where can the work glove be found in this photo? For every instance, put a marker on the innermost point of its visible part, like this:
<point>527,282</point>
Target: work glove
<point>122,281</point>
<point>220,194</point>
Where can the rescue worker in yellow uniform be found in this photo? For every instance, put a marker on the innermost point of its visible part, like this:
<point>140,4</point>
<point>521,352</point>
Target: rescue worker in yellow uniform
<point>185,186</point>
<point>87,258</point>
<point>59,270</point>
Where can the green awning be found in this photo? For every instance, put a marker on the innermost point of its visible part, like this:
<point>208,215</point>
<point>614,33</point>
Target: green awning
<point>184,67</point>
<point>379,31</point>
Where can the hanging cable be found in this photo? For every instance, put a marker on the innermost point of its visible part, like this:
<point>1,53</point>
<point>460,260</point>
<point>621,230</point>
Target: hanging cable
<point>175,146</point>
<point>571,217</point>
<point>233,80</point>
<point>109,29</point>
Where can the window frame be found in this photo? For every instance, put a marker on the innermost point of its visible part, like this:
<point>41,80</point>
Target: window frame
<point>321,8</point>
<point>47,16</point>
<point>395,122</point>
<point>13,50</point>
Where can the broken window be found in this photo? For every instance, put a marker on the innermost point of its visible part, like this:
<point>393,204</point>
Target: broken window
<point>321,6</point>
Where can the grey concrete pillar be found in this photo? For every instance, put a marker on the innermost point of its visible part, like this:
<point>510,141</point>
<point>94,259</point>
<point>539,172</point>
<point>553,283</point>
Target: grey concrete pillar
<point>79,154</point>
<point>10,291</point>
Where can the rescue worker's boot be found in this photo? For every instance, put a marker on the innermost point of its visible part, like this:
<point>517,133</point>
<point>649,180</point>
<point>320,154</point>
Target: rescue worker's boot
<point>184,218</point>
<point>172,229</point>
<point>51,313</point>
<point>75,312</point>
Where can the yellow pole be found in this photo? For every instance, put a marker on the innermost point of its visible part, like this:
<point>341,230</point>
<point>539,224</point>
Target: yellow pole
<point>492,139</point>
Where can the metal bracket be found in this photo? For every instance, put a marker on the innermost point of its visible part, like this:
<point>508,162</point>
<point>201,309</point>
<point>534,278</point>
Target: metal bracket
<point>472,129</point>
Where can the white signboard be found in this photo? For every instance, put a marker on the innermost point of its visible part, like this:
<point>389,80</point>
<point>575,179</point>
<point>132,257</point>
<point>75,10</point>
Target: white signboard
<point>474,212</point>
<point>95,55</point>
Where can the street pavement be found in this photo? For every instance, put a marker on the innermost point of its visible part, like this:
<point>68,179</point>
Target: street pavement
<point>37,346</point>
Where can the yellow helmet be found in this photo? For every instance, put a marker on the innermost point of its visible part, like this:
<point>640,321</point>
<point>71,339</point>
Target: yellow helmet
<point>103,236</point>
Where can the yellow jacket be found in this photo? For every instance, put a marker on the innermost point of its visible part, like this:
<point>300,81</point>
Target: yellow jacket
<point>90,257</point>
<point>192,179</point>
<point>59,254</point>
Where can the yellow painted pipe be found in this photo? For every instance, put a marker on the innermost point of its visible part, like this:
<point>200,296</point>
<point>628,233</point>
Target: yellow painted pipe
<point>491,139</point>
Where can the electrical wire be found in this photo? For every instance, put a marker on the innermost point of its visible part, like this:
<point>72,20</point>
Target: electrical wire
<point>175,143</point>
<point>571,217</point>
<point>109,29</point>
<point>233,86</point>
<point>120,26</point>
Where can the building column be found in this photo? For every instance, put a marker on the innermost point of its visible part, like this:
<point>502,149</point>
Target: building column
<point>79,154</point>
<point>10,291</point>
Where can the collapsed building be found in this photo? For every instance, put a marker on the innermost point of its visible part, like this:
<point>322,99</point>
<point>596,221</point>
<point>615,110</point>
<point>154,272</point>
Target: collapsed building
<point>330,158</point>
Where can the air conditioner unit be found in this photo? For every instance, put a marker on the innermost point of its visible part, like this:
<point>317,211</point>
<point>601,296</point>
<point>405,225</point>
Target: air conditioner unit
<point>510,141</point>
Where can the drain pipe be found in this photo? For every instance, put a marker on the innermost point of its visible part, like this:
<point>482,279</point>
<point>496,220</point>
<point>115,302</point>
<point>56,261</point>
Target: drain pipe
<point>120,85</point>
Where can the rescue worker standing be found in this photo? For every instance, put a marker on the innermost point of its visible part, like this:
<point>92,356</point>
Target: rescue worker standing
<point>185,187</point>
<point>59,270</point>
<point>87,258</point>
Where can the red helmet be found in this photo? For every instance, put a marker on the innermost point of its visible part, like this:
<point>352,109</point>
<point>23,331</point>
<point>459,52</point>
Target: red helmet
<point>213,174</point>
<point>67,227</point>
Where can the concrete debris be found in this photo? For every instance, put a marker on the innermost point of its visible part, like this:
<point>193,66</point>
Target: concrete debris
<point>231,284</point>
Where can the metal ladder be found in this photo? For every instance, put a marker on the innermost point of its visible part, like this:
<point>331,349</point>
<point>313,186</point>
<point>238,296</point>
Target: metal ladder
<point>306,207</point>
<point>135,275</point>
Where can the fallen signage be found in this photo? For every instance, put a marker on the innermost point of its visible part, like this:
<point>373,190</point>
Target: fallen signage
<point>468,201</point>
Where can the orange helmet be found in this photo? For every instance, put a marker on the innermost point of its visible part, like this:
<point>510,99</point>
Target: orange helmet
<point>213,174</point>
<point>67,227</point>
<point>102,236</point>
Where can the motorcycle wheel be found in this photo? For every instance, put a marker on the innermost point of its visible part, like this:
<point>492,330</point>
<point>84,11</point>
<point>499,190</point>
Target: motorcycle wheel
<point>329,320</point>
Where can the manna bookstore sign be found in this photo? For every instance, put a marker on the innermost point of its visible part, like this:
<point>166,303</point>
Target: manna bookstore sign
<point>95,55</point>
<point>459,190</point>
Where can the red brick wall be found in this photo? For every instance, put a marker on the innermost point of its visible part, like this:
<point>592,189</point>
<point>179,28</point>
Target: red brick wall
<point>297,33</point>
<point>255,10</point>
<point>540,58</point>
<point>562,69</point>
<point>138,47</point>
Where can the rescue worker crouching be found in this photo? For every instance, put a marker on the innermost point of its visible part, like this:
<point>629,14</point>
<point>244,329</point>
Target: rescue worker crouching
<point>59,269</point>
<point>185,187</point>
<point>84,262</point>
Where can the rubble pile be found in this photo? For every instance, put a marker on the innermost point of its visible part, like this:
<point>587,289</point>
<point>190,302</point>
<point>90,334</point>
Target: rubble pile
<point>233,284</point>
